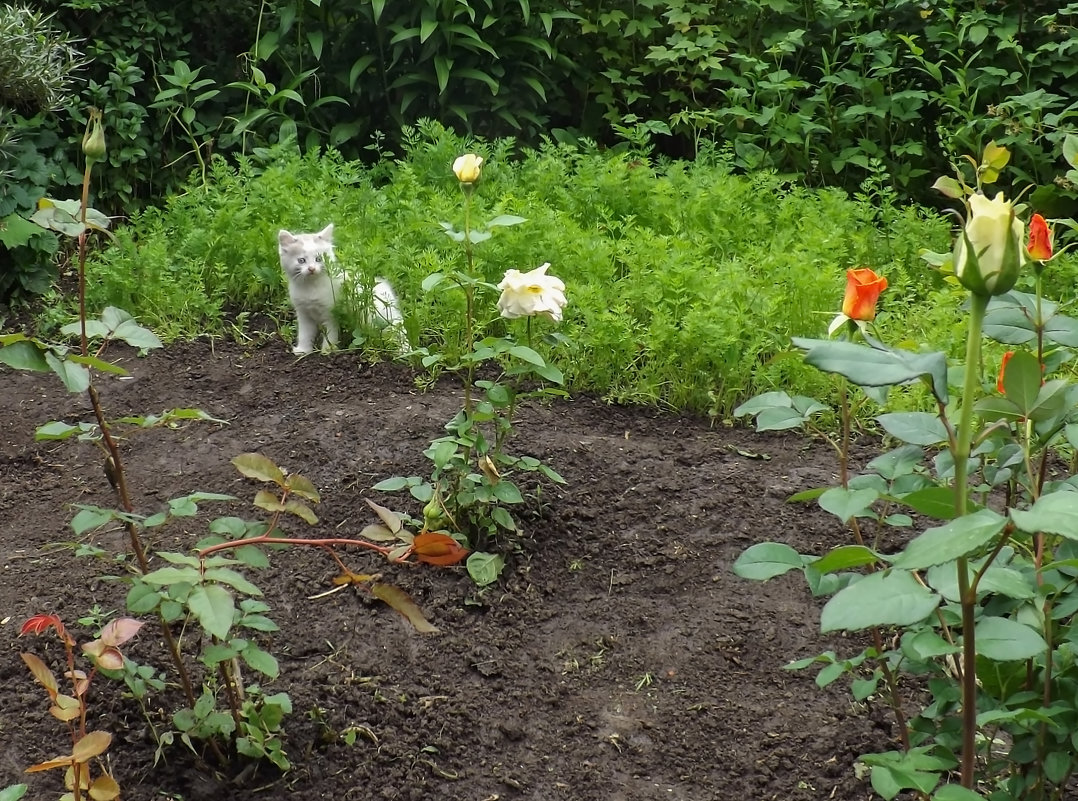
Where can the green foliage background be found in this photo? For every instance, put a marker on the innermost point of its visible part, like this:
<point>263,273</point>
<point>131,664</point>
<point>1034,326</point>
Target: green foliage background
<point>685,282</point>
<point>818,89</point>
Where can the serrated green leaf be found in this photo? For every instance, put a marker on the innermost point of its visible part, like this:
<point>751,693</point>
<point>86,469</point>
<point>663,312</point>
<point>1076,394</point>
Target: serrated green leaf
<point>766,560</point>
<point>259,660</point>
<point>845,504</point>
<point>259,467</point>
<point>916,428</point>
<point>845,557</point>
<point>484,568</point>
<point>890,598</point>
<point>55,430</point>
<point>213,607</point>
<point>956,792</point>
<point>238,582</point>
<point>1054,513</point>
<point>90,518</point>
<point>876,365</point>
<point>1006,640</point>
<point>24,355</point>
<point>963,536</point>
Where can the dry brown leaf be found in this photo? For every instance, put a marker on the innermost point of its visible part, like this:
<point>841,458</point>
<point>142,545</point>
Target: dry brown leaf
<point>399,600</point>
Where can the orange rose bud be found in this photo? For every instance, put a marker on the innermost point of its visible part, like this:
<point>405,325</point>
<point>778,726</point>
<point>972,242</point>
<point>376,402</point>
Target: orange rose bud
<point>1002,369</point>
<point>863,288</point>
<point>1040,239</point>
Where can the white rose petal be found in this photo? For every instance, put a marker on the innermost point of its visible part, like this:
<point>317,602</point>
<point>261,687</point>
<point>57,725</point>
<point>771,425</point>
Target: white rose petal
<point>530,294</point>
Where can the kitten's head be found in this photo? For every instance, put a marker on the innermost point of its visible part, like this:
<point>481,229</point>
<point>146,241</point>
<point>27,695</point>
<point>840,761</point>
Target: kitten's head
<point>304,255</point>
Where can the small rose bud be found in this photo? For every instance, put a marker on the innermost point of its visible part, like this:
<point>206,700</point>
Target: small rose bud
<point>93,141</point>
<point>989,253</point>
<point>1040,239</point>
<point>863,288</point>
<point>467,168</point>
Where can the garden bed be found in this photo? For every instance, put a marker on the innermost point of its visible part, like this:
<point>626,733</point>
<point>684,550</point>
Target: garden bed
<point>617,659</point>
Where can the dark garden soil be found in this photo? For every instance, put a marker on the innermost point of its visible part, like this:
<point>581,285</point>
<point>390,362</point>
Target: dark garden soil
<point>617,659</point>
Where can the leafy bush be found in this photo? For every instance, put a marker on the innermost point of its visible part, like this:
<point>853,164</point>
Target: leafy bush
<point>37,66</point>
<point>822,88</point>
<point>831,91</point>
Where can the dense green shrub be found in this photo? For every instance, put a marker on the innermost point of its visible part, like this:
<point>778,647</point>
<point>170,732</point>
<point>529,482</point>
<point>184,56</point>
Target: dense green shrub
<point>829,91</point>
<point>824,87</point>
<point>37,65</point>
<point>685,282</point>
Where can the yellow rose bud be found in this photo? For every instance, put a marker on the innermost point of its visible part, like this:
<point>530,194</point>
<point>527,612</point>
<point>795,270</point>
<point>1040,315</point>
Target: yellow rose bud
<point>93,140</point>
<point>989,253</point>
<point>467,168</point>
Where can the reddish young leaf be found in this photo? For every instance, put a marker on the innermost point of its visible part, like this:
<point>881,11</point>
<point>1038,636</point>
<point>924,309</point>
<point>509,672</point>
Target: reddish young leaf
<point>434,548</point>
<point>399,600</point>
<point>39,624</point>
<point>120,630</point>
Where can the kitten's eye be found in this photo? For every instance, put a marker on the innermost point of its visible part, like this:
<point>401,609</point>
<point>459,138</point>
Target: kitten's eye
<point>318,258</point>
<point>302,260</point>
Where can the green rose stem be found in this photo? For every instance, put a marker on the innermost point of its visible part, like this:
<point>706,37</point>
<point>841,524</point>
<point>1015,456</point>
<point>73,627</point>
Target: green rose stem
<point>469,297</point>
<point>967,592</point>
<point>114,468</point>
<point>1038,538</point>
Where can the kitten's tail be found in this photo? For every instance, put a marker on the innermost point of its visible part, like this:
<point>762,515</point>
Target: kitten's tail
<point>387,309</point>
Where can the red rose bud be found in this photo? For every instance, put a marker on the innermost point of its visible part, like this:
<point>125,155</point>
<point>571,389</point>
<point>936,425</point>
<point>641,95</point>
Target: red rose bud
<point>863,288</point>
<point>1040,239</point>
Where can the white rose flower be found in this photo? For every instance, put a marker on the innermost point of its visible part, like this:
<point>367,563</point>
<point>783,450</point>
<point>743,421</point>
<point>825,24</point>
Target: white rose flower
<point>532,293</point>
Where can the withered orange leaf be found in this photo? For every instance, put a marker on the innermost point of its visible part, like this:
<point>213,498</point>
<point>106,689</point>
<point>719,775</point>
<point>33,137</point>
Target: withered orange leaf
<point>93,744</point>
<point>104,788</point>
<point>355,578</point>
<point>435,548</point>
<point>399,600</point>
<point>42,673</point>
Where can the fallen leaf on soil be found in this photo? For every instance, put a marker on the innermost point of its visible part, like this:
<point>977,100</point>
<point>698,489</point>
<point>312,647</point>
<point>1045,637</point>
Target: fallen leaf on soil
<point>399,600</point>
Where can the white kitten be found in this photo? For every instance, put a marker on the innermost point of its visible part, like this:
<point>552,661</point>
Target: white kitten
<point>315,285</point>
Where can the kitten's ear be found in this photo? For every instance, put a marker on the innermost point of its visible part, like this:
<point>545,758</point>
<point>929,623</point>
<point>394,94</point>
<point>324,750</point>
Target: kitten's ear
<point>327,232</point>
<point>285,238</point>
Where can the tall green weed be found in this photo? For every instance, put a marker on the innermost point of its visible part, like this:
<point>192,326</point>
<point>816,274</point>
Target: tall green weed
<point>685,282</point>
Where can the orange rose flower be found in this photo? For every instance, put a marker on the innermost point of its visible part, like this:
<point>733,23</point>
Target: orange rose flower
<point>1040,239</point>
<point>863,288</point>
<point>1002,369</point>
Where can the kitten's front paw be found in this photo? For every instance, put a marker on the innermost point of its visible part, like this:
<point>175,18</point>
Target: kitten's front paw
<point>300,350</point>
